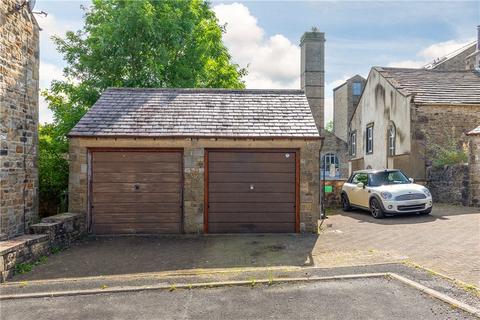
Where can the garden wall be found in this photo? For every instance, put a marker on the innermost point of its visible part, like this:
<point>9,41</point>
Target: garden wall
<point>50,235</point>
<point>449,184</point>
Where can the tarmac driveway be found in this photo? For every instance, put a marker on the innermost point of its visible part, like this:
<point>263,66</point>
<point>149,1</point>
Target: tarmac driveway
<point>447,241</point>
<point>100,256</point>
<point>369,298</point>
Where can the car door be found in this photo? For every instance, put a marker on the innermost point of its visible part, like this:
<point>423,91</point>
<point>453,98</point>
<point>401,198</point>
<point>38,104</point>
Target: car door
<point>357,195</point>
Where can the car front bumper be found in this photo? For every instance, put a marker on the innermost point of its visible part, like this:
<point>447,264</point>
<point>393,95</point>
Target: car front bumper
<point>406,206</point>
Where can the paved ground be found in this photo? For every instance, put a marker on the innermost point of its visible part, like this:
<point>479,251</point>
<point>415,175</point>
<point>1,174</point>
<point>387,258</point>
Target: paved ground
<point>169,279</point>
<point>375,298</point>
<point>447,241</point>
<point>125,255</point>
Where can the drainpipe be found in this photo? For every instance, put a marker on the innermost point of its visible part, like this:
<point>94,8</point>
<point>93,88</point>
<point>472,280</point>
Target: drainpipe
<point>321,193</point>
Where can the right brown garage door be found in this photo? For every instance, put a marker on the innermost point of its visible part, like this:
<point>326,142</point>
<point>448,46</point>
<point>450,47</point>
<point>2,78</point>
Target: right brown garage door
<point>251,191</point>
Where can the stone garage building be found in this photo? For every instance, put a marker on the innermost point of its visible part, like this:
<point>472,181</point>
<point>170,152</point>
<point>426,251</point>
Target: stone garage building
<point>147,161</point>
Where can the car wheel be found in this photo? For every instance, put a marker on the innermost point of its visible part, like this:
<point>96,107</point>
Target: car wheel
<point>425,212</point>
<point>345,203</point>
<point>376,209</point>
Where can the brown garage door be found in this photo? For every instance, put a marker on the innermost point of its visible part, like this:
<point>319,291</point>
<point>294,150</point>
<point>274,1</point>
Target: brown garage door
<point>251,191</point>
<point>136,192</point>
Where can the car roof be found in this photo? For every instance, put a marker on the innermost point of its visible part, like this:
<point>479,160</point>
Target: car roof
<point>375,170</point>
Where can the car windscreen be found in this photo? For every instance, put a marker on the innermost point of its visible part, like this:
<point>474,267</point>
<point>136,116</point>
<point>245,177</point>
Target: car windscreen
<point>387,177</point>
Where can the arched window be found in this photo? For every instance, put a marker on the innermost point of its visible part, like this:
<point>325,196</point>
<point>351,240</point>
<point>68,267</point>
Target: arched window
<point>330,166</point>
<point>392,135</point>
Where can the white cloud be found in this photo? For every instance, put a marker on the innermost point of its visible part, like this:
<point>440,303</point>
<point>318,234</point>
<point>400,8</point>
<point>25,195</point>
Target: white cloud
<point>430,53</point>
<point>51,63</point>
<point>273,62</point>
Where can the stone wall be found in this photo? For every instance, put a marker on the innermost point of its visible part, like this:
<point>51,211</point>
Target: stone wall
<point>437,124</point>
<point>193,150</point>
<point>449,184</point>
<point>340,111</point>
<point>474,168</point>
<point>19,63</point>
<point>332,199</point>
<point>51,234</point>
<point>335,145</point>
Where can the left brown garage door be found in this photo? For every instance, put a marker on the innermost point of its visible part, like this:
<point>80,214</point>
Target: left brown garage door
<point>136,192</point>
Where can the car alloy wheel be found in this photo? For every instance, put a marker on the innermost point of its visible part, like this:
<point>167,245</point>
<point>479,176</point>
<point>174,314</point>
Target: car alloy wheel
<point>376,209</point>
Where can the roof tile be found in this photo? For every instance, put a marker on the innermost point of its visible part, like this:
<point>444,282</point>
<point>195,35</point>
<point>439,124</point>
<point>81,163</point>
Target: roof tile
<point>435,87</point>
<point>199,113</point>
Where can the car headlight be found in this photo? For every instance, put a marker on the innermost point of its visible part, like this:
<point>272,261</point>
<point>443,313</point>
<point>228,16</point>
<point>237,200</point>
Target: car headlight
<point>427,192</point>
<point>386,195</point>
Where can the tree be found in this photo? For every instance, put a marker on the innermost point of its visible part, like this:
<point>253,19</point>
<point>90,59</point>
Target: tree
<point>329,126</point>
<point>134,43</point>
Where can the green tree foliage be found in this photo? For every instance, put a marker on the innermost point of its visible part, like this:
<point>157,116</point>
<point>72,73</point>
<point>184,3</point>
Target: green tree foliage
<point>134,43</point>
<point>53,171</point>
<point>447,149</point>
<point>329,126</point>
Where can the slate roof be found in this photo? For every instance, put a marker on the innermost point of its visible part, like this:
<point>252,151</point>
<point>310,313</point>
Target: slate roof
<point>199,113</point>
<point>466,48</point>
<point>433,86</point>
<point>474,132</point>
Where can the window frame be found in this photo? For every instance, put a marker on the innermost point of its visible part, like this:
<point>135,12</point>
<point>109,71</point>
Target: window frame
<point>392,144</point>
<point>357,84</point>
<point>325,169</point>
<point>369,138</point>
<point>353,144</point>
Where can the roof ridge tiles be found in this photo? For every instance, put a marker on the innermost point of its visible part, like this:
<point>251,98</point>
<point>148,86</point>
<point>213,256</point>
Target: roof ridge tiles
<point>210,90</point>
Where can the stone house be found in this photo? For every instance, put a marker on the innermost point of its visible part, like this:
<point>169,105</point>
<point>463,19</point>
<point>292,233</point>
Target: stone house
<point>465,58</point>
<point>403,113</point>
<point>202,160</point>
<point>345,99</point>
<point>472,61</point>
<point>19,76</point>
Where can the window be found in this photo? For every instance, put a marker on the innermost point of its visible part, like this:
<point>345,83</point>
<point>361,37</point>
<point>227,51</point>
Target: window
<point>353,143</point>
<point>386,178</point>
<point>330,166</point>
<point>391,139</point>
<point>357,88</point>
<point>369,139</point>
<point>360,177</point>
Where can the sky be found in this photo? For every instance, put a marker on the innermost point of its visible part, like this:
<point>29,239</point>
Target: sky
<point>264,36</point>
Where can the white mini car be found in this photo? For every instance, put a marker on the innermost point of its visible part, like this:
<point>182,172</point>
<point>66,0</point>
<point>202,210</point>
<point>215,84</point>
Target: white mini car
<point>385,192</point>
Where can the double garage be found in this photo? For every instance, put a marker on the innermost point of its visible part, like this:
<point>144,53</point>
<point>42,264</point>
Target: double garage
<point>246,190</point>
<point>169,161</point>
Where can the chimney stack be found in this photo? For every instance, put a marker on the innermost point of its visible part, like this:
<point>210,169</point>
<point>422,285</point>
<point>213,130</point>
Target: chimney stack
<point>312,75</point>
<point>478,38</point>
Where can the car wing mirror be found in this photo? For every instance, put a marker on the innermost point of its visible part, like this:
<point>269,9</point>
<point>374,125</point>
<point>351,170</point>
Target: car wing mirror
<point>360,185</point>
<point>411,180</point>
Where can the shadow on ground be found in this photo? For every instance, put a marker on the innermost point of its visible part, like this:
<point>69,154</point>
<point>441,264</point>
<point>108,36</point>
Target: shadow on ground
<point>99,256</point>
<point>439,212</point>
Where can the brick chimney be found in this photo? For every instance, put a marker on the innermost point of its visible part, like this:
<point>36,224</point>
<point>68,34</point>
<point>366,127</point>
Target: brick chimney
<point>312,77</point>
